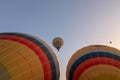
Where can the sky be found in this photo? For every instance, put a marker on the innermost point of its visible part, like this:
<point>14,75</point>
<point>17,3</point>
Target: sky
<point>79,22</point>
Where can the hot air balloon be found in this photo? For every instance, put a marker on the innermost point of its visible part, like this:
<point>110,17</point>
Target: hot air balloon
<point>25,57</point>
<point>95,62</point>
<point>57,43</point>
<point>110,42</point>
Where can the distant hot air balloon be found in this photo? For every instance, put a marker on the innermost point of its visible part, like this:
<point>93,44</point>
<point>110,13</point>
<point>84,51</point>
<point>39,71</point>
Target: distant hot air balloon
<point>58,43</point>
<point>25,57</point>
<point>110,42</point>
<point>95,62</point>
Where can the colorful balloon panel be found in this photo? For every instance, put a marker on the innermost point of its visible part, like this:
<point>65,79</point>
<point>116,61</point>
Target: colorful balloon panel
<point>25,57</point>
<point>95,62</point>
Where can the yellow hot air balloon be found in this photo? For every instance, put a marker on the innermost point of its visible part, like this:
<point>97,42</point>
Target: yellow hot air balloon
<point>26,57</point>
<point>94,62</point>
<point>58,43</point>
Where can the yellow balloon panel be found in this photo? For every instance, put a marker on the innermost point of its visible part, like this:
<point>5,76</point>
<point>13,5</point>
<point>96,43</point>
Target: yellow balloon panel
<point>20,61</point>
<point>101,72</point>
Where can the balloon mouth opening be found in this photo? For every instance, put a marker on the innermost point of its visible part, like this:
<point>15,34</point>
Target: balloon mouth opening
<point>58,48</point>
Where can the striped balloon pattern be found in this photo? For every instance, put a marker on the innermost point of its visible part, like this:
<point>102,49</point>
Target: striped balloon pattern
<point>26,57</point>
<point>94,62</point>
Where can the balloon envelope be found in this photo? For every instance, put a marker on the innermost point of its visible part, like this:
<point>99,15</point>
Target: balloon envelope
<point>96,62</point>
<point>25,57</point>
<point>58,43</point>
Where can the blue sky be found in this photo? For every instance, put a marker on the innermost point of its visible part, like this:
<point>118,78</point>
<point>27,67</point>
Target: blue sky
<point>78,22</point>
